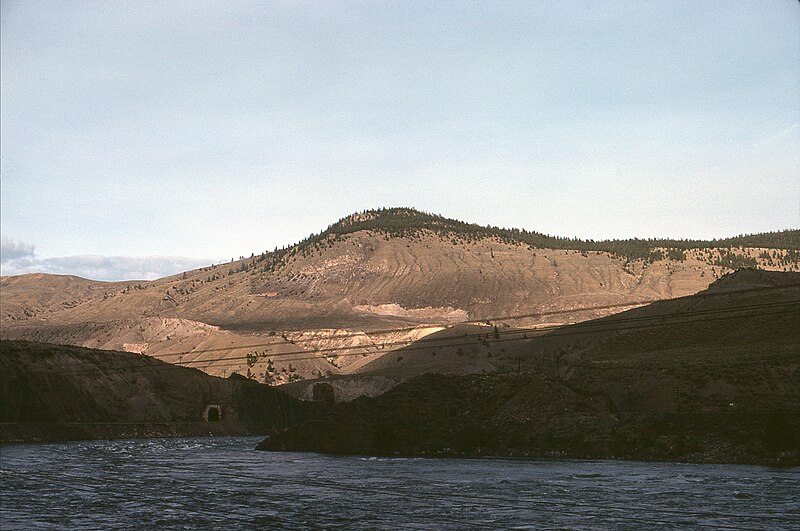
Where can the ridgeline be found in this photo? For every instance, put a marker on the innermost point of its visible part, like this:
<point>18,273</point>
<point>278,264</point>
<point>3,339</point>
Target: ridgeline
<point>409,222</point>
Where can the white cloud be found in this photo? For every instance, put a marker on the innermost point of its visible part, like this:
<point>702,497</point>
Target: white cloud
<point>18,258</point>
<point>13,249</point>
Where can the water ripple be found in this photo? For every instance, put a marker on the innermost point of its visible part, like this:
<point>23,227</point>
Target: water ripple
<point>222,482</point>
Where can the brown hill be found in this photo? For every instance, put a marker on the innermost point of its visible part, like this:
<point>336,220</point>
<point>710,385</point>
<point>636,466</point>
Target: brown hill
<point>733,305</point>
<point>368,273</point>
<point>30,296</point>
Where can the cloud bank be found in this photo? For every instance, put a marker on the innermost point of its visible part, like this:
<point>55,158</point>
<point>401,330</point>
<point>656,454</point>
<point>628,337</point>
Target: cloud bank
<point>18,258</point>
<point>13,249</point>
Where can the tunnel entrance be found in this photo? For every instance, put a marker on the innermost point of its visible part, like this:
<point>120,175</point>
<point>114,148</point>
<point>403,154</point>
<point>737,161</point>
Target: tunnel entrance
<point>213,413</point>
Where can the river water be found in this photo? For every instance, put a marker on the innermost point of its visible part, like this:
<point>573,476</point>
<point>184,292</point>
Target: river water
<point>223,483</point>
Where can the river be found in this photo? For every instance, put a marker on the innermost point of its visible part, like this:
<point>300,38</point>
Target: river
<point>223,483</point>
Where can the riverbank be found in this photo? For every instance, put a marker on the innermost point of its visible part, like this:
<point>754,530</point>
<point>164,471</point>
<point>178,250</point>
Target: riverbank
<point>527,415</point>
<point>46,432</point>
<point>64,393</point>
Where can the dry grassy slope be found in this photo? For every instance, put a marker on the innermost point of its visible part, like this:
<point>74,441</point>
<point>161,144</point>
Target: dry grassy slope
<point>366,280</point>
<point>706,390</point>
<point>190,344</point>
<point>481,280</point>
<point>653,355</point>
<point>714,361</point>
<point>37,295</point>
<point>362,282</point>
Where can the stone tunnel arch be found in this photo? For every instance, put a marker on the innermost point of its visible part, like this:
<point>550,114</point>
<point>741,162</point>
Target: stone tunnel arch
<point>212,413</point>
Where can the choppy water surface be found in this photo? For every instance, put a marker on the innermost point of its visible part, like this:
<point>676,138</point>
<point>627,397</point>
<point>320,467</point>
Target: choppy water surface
<point>224,483</point>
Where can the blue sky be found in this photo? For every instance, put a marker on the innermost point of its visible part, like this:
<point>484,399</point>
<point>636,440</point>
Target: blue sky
<point>143,138</point>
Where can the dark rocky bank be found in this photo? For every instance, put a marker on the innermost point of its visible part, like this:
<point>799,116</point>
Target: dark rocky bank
<point>56,393</point>
<point>525,415</point>
<point>710,378</point>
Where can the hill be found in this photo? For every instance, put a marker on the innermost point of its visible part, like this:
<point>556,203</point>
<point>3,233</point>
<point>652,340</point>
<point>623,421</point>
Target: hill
<point>28,296</point>
<point>51,392</point>
<point>713,377</point>
<point>407,221</point>
<point>372,279</point>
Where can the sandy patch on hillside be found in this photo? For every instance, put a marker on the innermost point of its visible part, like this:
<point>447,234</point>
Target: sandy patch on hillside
<point>443,314</point>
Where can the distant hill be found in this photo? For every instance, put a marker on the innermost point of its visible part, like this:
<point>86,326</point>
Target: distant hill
<point>374,278</point>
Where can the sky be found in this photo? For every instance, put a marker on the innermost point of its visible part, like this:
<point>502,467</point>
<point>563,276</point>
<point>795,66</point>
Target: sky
<point>140,139</point>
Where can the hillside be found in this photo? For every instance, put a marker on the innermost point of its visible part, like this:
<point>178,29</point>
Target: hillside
<point>27,296</point>
<point>713,377</point>
<point>407,221</point>
<point>733,304</point>
<point>51,392</point>
<point>371,279</point>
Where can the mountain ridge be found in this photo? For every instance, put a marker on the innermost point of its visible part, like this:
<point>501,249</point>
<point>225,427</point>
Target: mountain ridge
<point>351,278</point>
<point>407,221</point>
<point>404,221</point>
